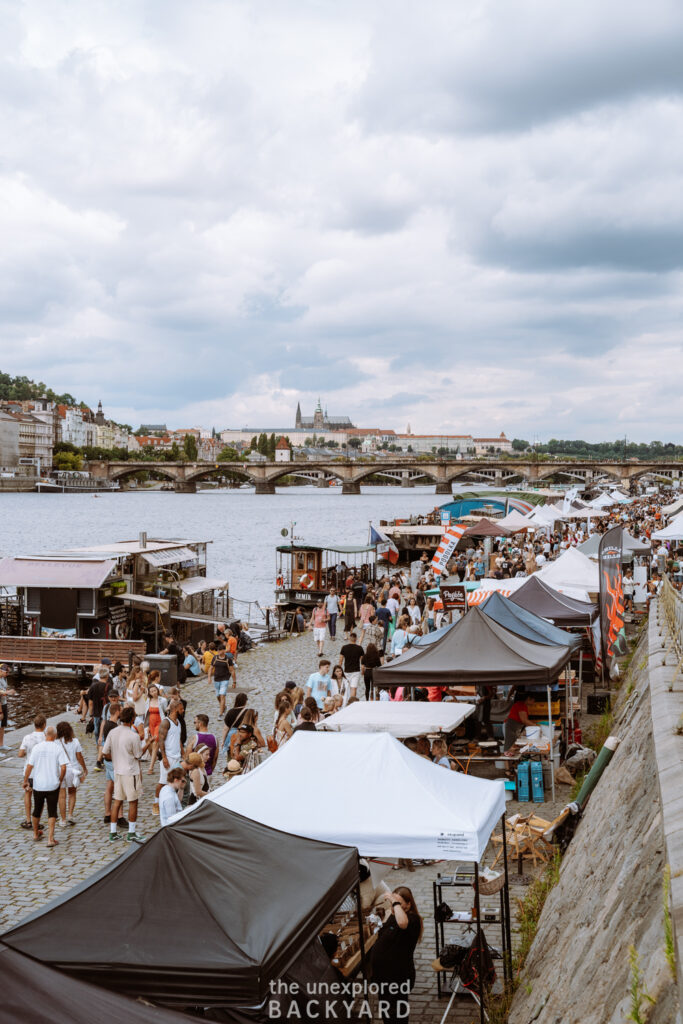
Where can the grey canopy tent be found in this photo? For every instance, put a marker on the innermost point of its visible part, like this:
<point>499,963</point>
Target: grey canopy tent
<point>216,872</point>
<point>537,597</point>
<point>525,624</point>
<point>476,650</point>
<point>630,546</point>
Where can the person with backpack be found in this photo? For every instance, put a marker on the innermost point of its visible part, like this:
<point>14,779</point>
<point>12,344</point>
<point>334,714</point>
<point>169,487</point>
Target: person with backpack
<point>222,670</point>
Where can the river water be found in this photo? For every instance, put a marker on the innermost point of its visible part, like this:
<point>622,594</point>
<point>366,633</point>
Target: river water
<point>243,526</point>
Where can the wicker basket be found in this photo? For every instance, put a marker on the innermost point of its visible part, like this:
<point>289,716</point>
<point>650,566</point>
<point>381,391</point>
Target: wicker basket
<point>490,886</point>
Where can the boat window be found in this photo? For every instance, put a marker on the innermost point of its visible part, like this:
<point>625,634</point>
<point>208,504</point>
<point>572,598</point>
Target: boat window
<point>85,600</point>
<point>33,600</point>
<point>300,561</point>
<point>311,563</point>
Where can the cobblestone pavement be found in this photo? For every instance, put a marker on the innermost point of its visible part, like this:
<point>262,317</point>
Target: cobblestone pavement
<point>31,874</point>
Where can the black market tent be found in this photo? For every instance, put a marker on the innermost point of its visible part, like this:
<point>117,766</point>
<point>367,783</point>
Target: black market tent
<point>207,912</point>
<point>476,650</point>
<point>537,597</point>
<point>36,993</point>
<point>486,528</point>
<point>526,624</point>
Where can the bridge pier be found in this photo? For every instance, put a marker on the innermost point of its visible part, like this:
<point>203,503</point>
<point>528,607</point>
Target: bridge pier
<point>264,487</point>
<point>406,480</point>
<point>183,487</point>
<point>350,487</point>
<point>443,488</point>
<point>321,482</point>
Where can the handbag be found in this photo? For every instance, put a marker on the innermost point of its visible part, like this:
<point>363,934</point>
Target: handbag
<point>272,744</point>
<point>90,727</point>
<point>443,912</point>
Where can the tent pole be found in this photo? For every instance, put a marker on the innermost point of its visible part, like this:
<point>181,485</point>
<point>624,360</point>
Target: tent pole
<point>550,740</point>
<point>361,934</point>
<point>480,959</point>
<point>506,891</point>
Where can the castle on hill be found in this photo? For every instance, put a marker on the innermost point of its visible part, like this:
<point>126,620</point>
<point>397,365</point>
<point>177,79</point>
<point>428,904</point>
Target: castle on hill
<point>321,421</point>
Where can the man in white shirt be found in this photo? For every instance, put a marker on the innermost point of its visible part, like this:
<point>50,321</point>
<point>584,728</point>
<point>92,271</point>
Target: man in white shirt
<point>124,747</point>
<point>27,744</point>
<point>169,797</point>
<point>332,609</point>
<point>47,765</point>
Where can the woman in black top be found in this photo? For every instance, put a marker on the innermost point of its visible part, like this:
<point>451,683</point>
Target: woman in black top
<point>392,954</point>
<point>371,659</point>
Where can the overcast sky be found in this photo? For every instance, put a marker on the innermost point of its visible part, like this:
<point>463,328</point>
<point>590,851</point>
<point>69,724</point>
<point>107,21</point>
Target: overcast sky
<point>463,216</point>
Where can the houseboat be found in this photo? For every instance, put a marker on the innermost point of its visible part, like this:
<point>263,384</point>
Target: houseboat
<point>305,572</point>
<point>73,481</point>
<point>125,595</point>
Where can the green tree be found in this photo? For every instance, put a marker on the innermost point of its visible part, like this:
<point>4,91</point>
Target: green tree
<point>175,451</point>
<point>190,447</point>
<point>228,455</point>
<point>520,446</point>
<point>67,460</point>
<point>354,442</point>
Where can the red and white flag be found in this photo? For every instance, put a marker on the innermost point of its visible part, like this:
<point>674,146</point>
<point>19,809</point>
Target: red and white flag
<point>446,547</point>
<point>385,546</point>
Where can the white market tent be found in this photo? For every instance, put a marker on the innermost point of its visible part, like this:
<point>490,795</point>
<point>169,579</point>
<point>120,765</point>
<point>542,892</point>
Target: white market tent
<point>542,516</point>
<point>515,522</point>
<point>398,718</point>
<point>602,501</point>
<point>368,791</point>
<point>572,569</point>
<point>674,531</point>
<point>674,508</point>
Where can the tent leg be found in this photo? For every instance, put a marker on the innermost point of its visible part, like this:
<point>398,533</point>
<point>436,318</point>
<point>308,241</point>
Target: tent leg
<point>551,730</point>
<point>480,959</point>
<point>506,892</point>
<point>361,934</point>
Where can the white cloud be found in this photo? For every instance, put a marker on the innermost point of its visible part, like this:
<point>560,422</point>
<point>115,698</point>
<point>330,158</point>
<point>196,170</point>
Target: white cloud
<point>465,217</point>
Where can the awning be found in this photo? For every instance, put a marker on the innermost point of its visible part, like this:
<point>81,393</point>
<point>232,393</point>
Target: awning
<point>145,601</point>
<point>169,556</point>
<point>54,572</point>
<point>200,584</point>
<point>400,719</point>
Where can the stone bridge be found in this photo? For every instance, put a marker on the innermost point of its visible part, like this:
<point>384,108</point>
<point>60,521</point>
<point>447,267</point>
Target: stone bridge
<point>352,472</point>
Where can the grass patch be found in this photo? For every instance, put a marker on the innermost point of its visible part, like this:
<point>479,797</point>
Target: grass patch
<point>637,1014</point>
<point>576,788</point>
<point>669,949</point>
<point>527,925</point>
<point>597,733</point>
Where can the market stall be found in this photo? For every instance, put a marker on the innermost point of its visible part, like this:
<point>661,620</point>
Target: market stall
<point>400,719</point>
<point>216,873</point>
<point>537,596</point>
<point>407,806</point>
<point>572,570</point>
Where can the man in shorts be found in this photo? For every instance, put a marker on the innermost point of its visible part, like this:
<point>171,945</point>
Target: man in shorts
<point>27,744</point>
<point>170,746</point>
<point>125,749</point>
<point>319,617</point>
<point>114,712</point>
<point>222,670</point>
<point>47,764</point>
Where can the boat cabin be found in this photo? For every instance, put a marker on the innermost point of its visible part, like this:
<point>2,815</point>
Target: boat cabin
<point>305,572</point>
<point>128,590</point>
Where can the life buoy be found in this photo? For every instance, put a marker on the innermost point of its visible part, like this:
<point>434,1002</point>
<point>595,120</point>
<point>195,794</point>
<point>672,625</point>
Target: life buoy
<point>121,630</point>
<point>279,582</point>
<point>306,581</point>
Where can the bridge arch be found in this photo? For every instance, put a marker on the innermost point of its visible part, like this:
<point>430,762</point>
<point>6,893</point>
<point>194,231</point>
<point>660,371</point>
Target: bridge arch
<point>225,469</point>
<point>367,471</point>
<point>131,468</point>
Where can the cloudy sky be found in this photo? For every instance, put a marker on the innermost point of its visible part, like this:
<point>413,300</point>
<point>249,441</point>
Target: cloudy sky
<point>463,216</point>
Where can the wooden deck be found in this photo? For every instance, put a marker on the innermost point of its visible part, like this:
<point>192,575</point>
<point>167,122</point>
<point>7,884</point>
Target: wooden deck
<point>29,650</point>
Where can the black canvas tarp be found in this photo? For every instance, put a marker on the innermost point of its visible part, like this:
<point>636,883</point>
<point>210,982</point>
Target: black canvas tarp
<point>476,650</point>
<point>537,597</point>
<point>207,912</point>
<point>36,993</point>
<point>525,624</point>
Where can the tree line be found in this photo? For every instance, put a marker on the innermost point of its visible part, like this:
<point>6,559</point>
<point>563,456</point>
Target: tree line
<point>604,450</point>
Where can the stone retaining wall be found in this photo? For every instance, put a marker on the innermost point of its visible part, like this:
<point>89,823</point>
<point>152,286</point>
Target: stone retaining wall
<point>609,896</point>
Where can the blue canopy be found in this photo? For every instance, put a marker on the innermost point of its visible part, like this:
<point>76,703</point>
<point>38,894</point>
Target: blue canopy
<point>526,624</point>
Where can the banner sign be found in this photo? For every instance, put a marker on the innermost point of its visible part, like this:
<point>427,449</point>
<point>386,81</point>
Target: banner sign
<point>453,595</point>
<point>611,596</point>
<point>446,547</point>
